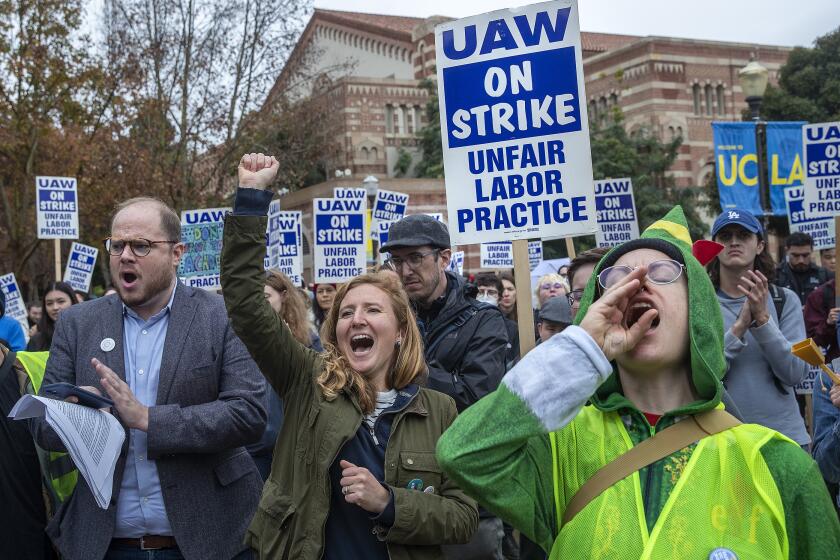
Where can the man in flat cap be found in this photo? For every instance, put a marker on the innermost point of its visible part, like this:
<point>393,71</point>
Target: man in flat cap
<point>465,340</point>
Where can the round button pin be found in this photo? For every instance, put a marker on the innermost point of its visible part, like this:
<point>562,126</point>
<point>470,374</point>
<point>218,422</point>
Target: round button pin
<point>107,344</point>
<point>722,554</point>
<point>415,484</point>
<point>429,490</point>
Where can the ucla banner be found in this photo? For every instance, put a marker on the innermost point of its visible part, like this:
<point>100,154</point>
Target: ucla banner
<point>784,157</point>
<point>737,166</point>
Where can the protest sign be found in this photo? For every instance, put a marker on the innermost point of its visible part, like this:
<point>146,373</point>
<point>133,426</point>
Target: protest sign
<point>806,386</point>
<point>500,255</point>
<point>201,233</point>
<point>58,208</point>
<point>821,230</point>
<point>821,144</point>
<point>784,154</point>
<point>616,212</point>
<point>273,209</point>
<point>340,252</point>
<point>514,129</point>
<point>359,193</point>
<point>456,263</point>
<point>535,254</point>
<point>436,215</point>
<point>15,308</point>
<point>388,207</point>
<point>80,263</point>
<point>285,244</point>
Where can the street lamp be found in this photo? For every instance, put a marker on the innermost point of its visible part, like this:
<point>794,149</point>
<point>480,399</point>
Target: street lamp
<point>753,80</point>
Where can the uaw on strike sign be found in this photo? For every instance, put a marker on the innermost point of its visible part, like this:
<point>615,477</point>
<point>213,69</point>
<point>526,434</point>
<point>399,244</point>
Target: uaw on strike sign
<point>58,207</point>
<point>514,129</point>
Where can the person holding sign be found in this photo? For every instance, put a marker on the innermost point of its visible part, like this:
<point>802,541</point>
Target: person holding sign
<point>354,474</point>
<point>646,358</point>
<point>761,322</point>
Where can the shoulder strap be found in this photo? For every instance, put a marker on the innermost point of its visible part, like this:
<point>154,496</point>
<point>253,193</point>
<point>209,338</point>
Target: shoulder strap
<point>7,365</point>
<point>779,296</point>
<point>664,443</point>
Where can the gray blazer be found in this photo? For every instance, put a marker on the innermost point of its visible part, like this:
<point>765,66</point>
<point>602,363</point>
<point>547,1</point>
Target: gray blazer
<point>210,403</point>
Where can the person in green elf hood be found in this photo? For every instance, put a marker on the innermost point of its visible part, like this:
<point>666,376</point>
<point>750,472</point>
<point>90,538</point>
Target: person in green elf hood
<point>647,353</point>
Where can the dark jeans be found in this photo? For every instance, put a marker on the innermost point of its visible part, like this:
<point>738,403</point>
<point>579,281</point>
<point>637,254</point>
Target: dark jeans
<point>118,552</point>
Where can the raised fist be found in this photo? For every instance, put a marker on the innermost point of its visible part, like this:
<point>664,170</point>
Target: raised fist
<point>257,171</point>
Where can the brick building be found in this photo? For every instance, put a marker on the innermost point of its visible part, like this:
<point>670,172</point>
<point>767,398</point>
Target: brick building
<point>369,67</point>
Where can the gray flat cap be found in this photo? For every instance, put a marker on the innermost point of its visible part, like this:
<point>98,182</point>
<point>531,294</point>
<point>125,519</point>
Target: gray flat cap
<point>415,231</point>
<point>557,310</point>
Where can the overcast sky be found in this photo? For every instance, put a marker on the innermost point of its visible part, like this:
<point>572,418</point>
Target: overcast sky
<point>772,22</point>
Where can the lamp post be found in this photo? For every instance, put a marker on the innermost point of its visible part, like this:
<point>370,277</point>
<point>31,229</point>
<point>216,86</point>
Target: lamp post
<point>753,80</point>
<point>371,185</point>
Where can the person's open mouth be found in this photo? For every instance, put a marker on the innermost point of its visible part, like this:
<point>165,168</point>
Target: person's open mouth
<point>361,344</point>
<point>635,311</point>
<point>129,279</point>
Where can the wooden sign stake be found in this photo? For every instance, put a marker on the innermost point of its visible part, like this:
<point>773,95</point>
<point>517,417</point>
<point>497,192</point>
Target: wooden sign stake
<point>57,260</point>
<point>570,247</point>
<point>524,315</point>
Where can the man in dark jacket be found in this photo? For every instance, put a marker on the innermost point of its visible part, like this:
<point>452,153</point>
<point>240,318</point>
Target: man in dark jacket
<point>466,340</point>
<point>798,272</point>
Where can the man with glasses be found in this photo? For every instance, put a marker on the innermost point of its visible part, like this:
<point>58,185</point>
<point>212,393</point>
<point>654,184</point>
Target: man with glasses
<point>580,270</point>
<point>185,389</point>
<point>465,340</point>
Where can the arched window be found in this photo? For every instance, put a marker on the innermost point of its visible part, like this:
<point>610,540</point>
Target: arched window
<point>695,90</point>
<point>709,99</point>
<point>593,111</point>
<point>671,133</point>
<point>613,99</point>
<point>721,100</point>
<point>365,154</point>
<point>602,110</point>
<point>409,113</point>
<point>679,132</point>
<point>374,154</point>
<point>418,116</point>
<point>399,120</point>
<point>389,119</point>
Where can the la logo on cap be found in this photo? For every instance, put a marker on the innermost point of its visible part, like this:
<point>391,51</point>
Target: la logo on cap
<point>734,215</point>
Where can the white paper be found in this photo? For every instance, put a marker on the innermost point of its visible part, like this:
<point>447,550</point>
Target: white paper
<point>92,437</point>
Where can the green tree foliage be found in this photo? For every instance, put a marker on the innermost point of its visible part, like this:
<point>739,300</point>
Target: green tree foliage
<point>646,160</point>
<point>809,84</point>
<point>431,165</point>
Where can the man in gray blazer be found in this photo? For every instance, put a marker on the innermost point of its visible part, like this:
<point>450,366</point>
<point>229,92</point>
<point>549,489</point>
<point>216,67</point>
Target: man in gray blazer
<point>184,387</point>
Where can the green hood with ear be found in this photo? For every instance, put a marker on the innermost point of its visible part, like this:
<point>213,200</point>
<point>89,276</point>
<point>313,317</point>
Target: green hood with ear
<point>708,364</point>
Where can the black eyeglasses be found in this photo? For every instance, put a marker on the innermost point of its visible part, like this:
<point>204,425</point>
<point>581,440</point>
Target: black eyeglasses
<point>140,247</point>
<point>413,260</point>
<point>661,272</point>
<point>575,296</point>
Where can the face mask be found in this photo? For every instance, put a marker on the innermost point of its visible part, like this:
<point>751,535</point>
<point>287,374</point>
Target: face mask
<point>487,298</point>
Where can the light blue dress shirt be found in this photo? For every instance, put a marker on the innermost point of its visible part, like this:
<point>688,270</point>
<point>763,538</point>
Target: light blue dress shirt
<point>140,508</point>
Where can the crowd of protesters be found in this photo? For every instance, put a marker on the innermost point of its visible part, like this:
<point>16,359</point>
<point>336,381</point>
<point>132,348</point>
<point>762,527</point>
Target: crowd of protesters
<point>392,416</point>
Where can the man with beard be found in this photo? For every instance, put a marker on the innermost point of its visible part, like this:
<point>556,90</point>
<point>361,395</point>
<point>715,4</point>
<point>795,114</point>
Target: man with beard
<point>798,272</point>
<point>185,389</point>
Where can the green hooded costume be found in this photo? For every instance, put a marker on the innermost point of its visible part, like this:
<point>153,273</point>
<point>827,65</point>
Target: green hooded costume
<point>499,450</point>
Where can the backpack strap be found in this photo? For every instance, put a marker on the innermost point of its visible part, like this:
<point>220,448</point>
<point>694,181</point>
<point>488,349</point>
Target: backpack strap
<point>779,297</point>
<point>660,445</point>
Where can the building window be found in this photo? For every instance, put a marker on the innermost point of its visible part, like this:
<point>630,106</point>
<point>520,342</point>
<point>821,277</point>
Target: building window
<point>365,154</point>
<point>410,120</point>
<point>721,100</point>
<point>613,99</point>
<point>671,133</point>
<point>374,154</point>
<point>679,132</point>
<point>709,100</point>
<point>593,111</point>
<point>399,120</point>
<point>418,116</point>
<point>695,90</point>
<point>602,110</point>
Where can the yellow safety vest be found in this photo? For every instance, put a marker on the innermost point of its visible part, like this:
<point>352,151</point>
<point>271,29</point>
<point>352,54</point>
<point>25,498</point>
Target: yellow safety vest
<point>60,470</point>
<point>725,504</point>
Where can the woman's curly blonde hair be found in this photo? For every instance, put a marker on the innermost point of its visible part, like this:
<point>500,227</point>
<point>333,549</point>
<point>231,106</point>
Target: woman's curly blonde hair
<point>409,365</point>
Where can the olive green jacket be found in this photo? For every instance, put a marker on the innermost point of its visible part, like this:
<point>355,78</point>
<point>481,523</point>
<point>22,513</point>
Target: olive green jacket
<point>292,514</point>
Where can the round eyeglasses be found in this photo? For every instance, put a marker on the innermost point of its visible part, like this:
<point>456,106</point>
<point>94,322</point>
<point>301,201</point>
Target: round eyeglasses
<point>665,271</point>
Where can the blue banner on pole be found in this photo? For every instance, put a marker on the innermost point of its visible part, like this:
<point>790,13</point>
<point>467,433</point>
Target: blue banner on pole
<point>784,161</point>
<point>737,166</point>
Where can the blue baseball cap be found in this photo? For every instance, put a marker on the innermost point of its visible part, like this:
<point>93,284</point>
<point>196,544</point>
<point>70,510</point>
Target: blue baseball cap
<point>739,217</point>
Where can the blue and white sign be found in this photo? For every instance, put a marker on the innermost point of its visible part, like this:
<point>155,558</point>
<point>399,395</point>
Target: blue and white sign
<point>456,263</point>
<point>79,270</point>
<point>389,207</point>
<point>436,215</point>
<point>285,244</point>
<point>821,144</point>
<point>58,207</point>
<point>15,308</point>
<point>535,254</point>
<point>514,126</point>
<point>202,232</point>
<point>340,251</point>
<point>821,230</point>
<point>616,212</point>
<point>351,192</point>
<point>500,255</point>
